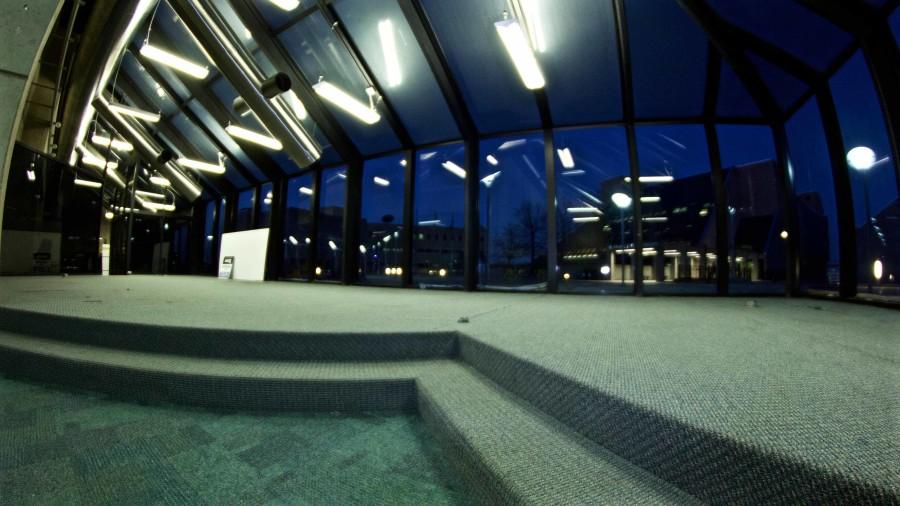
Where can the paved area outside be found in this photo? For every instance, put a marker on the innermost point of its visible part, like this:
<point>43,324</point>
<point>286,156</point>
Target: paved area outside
<point>816,380</point>
<point>61,447</point>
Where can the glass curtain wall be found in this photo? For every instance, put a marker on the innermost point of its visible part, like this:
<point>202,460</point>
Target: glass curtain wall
<point>873,179</point>
<point>264,218</point>
<point>594,222</point>
<point>439,226</point>
<point>381,227</point>
<point>298,227</point>
<point>245,210</point>
<point>513,213</point>
<point>815,205</point>
<point>677,207</point>
<point>209,237</point>
<point>756,248</point>
<point>330,225</point>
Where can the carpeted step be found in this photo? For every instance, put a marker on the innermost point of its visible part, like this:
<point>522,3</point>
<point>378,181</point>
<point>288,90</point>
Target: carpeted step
<point>232,343</point>
<point>507,452</point>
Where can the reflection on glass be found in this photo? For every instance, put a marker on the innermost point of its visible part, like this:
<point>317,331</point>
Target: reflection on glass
<point>265,205</point>
<point>513,214</point>
<point>593,215</point>
<point>679,219</point>
<point>245,204</point>
<point>439,226</point>
<point>875,191</point>
<point>814,204</point>
<point>331,224</point>
<point>209,237</point>
<point>756,250</point>
<point>381,228</point>
<point>298,222</point>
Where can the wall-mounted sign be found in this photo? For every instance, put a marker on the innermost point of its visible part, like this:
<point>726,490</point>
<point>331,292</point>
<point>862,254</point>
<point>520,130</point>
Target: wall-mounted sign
<point>226,268</point>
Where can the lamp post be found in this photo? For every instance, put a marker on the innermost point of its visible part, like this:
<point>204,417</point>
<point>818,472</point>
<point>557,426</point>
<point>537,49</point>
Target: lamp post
<point>623,202</point>
<point>862,159</point>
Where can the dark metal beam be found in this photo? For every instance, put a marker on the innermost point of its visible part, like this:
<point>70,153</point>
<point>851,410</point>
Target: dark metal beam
<point>409,202</point>
<point>281,59</point>
<point>785,187</point>
<point>713,77</point>
<point>202,19</point>
<point>352,210</point>
<point>337,26</point>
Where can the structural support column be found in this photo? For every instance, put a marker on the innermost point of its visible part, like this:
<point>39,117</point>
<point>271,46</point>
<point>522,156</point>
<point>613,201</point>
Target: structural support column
<point>786,192</point>
<point>472,220</point>
<point>314,228</point>
<point>843,193</point>
<point>552,243</point>
<point>352,203</point>
<point>275,251</point>
<point>637,230</point>
<point>409,191</point>
<point>721,200</point>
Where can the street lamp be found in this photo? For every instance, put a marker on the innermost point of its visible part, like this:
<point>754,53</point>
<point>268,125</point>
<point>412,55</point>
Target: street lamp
<point>623,202</point>
<point>862,159</point>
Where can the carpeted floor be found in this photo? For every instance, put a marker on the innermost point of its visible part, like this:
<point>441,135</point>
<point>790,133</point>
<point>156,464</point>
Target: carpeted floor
<point>62,447</point>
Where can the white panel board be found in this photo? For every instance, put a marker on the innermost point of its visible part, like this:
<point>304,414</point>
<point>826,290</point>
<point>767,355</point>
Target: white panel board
<point>249,251</point>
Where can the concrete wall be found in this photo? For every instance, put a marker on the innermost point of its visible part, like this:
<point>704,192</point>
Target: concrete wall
<point>25,25</point>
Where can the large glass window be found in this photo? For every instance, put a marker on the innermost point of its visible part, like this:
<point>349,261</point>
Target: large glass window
<point>381,229</point>
<point>209,237</point>
<point>265,199</point>
<point>755,221</point>
<point>677,204</point>
<point>439,226</point>
<point>816,210</point>
<point>593,228</point>
<point>875,190</point>
<point>513,213</point>
<point>298,222</point>
<point>245,210</point>
<point>330,236</point>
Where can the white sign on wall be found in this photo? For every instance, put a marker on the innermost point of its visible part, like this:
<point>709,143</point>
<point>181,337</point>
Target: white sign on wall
<point>248,251</point>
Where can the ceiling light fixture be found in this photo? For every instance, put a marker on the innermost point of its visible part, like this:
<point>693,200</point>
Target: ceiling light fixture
<point>565,156</point>
<point>517,46</point>
<point>156,206</point>
<point>174,61</point>
<point>650,199</point>
<point>150,117</point>
<point>254,137</point>
<point>116,144</point>
<point>380,181</point>
<point>344,101</point>
<point>586,219</point>
<point>87,184</point>
<point>214,168</point>
<point>160,181</point>
<point>306,191</point>
<point>286,5</point>
<point>491,159</point>
<point>389,48</point>
<point>529,11</point>
<point>151,195</point>
<point>456,170</point>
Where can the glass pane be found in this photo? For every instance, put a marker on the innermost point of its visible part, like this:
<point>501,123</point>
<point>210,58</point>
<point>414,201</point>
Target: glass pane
<point>439,226</point>
<point>411,88</point>
<point>875,190</point>
<point>265,206</point>
<point>592,231</point>
<point>894,21</point>
<point>668,58</point>
<point>816,209</point>
<point>330,237</point>
<point>319,53</point>
<point>786,88</point>
<point>513,213</point>
<point>734,99</point>
<point>209,238</point>
<point>581,61</point>
<point>381,228</point>
<point>678,210</point>
<point>788,25</point>
<point>298,227</point>
<point>755,218</point>
<point>486,76</point>
<point>245,209</point>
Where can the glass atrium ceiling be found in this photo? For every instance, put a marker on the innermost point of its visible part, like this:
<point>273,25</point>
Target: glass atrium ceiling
<point>382,55</point>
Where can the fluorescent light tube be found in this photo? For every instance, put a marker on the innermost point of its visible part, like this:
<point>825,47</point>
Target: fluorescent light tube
<point>296,105</point>
<point>174,61</point>
<point>285,5</point>
<point>565,156</point>
<point>491,159</point>
<point>156,206</point>
<point>254,137</point>
<point>389,48</point>
<point>427,156</point>
<point>91,160</point>
<point>31,175</point>
<point>190,163</point>
<point>588,209</point>
<point>293,240</point>
<point>455,169</point>
<point>656,179</point>
<point>586,219</point>
<point>489,179</point>
<point>151,195</point>
<point>306,191</point>
<point>160,181</point>
<point>116,144</point>
<point>150,117</point>
<point>380,181</point>
<point>519,50</point>
<point>332,245</point>
<point>656,219</point>
<point>535,29</point>
<point>341,99</point>
<point>88,184</point>
<point>512,144</point>
<point>576,172</point>
<point>427,223</point>
<point>650,200</point>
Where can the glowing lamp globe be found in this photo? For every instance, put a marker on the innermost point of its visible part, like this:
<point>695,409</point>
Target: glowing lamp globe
<point>861,158</point>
